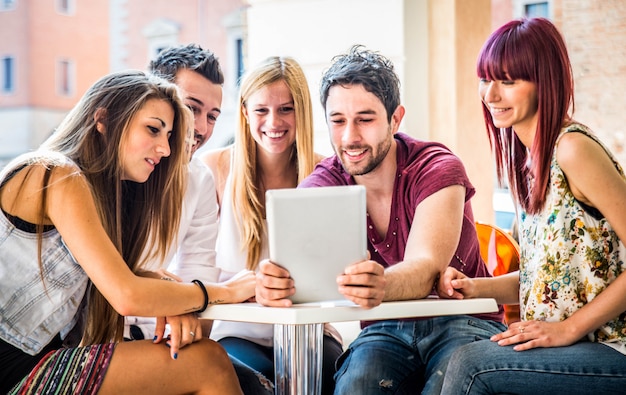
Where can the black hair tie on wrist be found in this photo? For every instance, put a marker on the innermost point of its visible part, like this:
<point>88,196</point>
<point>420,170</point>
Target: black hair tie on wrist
<point>204,292</point>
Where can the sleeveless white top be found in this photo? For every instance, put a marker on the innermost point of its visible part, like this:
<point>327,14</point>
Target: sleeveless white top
<point>231,259</point>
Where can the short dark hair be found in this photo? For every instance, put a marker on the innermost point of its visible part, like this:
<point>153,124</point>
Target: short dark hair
<point>190,56</point>
<point>364,67</point>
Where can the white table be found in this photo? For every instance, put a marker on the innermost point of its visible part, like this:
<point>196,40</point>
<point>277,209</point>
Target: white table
<point>298,330</point>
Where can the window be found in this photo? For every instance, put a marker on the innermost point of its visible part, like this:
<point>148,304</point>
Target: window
<point>7,5</point>
<point>160,34</point>
<point>239,55</point>
<point>66,7</point>
<point>532,10</point>
<point>8,74</point>
<point>65,77</point>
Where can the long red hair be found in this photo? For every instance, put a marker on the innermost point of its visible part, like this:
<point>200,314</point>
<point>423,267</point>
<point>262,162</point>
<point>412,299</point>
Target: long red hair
<point>531,50</point>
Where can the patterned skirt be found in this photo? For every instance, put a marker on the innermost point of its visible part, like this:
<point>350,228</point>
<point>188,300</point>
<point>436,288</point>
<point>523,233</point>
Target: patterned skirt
<point>68,371</point>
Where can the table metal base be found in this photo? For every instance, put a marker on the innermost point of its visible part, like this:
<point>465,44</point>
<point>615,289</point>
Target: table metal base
<point>298,371</point>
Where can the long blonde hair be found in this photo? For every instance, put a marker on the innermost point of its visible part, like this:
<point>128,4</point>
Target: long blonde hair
<point>132,213</point>
<point>247,195</point>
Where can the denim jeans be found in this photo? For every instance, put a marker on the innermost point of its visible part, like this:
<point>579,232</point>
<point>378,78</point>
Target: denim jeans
<point>251,381</point>
<point>583,368</point>
<point>407,357</point>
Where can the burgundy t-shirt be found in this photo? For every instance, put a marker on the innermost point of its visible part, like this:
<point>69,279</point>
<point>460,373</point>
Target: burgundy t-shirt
<point>423,168</point>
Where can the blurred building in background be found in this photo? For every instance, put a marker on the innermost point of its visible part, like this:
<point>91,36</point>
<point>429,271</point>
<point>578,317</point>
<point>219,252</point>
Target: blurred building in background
<point>51,51</point>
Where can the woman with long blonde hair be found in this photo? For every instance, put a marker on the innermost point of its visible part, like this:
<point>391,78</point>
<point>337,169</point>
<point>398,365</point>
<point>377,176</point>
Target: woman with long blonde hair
<point>273,149</point>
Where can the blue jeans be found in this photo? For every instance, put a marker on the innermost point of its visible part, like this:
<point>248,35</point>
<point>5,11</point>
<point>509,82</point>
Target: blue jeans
<point>251,381</point>
<point>407,357</point>
<point>583,368</point>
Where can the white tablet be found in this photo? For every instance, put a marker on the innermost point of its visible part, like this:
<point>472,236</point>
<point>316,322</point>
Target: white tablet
<point>315,233</point>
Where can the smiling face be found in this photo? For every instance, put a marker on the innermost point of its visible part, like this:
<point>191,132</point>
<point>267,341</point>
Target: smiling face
<point>512,103</point>
<point>271,115</point>
<point>146,140</point>
<point>359,130</point>
<point>204,99</point>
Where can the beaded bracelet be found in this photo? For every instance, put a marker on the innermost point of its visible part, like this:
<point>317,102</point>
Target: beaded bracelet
<point>204,292</point>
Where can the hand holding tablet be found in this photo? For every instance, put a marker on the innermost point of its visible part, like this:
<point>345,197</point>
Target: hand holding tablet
<point>315,233</point>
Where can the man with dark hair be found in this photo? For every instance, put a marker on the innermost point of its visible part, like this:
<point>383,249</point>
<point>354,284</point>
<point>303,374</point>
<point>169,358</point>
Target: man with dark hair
<point>197,73</point>
<point>419,219</point>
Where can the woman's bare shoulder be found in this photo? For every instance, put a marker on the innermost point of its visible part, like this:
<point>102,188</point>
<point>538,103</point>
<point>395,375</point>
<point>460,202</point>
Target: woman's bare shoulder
<point>217,159</point>
<point>36,173</point>
<point>23,193</point>
<point>319,157</point>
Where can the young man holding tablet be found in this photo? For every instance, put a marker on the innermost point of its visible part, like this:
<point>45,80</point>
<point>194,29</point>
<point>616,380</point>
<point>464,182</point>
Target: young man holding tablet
<point>419,222</point>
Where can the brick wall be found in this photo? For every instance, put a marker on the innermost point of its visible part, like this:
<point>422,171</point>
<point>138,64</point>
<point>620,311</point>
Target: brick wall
<point>595,32</point>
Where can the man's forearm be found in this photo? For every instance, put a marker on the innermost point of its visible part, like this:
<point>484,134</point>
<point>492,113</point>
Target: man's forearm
<point>409,280</point>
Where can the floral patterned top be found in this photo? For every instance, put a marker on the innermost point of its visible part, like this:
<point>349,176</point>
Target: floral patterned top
<point>569,254</point>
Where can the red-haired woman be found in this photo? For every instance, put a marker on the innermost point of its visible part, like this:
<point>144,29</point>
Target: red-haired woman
<point>571,193</point>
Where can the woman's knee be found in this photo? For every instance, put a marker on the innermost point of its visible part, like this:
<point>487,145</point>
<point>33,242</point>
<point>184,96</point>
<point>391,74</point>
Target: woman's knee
<point>211,353</point>
<point>467,358</point>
